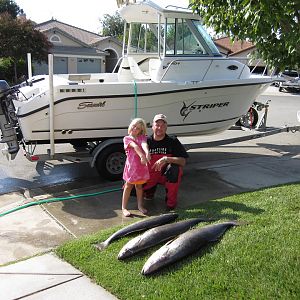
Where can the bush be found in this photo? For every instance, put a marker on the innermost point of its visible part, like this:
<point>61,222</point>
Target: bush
<point>7,70</point>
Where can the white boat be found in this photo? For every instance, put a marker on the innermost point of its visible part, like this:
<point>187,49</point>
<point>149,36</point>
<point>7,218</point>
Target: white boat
<point>169,65</point>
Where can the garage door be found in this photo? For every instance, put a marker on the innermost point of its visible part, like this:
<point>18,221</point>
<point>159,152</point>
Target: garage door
<point>88,65</point>
<point>60,65</point>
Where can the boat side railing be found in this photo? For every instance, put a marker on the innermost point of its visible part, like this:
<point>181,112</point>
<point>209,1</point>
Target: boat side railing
<point>117,64</point>
<point>259,61</point>
<point>184,60</point>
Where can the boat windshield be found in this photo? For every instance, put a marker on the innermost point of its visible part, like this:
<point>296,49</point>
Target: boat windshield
<point>143,38</point>
<point>181,37</point>
<point>206,37</point>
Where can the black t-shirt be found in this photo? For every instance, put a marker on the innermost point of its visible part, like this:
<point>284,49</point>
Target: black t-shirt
<point>168,146</point>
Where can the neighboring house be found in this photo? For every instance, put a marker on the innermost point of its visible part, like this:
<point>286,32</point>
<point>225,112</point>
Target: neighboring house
<point>77,50</point>
<point>241,50</point>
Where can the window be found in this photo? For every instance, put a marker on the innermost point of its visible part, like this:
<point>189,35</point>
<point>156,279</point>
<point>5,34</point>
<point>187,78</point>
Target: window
<point>144,38</point>
<point>206,37</point>
<point>181,40</point>
<point>170,37</point>
<point>188,37</point>
<point>55,39</point>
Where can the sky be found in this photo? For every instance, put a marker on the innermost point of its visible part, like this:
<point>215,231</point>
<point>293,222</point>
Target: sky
<point>83,14</point>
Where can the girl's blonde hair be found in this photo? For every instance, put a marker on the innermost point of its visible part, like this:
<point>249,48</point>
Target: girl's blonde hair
<point>138,121</point>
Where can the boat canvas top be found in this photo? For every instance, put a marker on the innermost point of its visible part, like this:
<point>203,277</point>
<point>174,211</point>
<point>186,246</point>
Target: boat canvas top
<point>148,12</point>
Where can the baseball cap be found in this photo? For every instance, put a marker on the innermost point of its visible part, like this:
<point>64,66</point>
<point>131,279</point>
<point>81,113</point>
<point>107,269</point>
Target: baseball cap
<point>160,117</point>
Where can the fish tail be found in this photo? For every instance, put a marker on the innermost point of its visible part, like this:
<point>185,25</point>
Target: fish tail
<point>101,246</point>
<point>239,223</point>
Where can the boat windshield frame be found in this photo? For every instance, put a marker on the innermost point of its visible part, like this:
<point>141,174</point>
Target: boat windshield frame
<point>190,39</point>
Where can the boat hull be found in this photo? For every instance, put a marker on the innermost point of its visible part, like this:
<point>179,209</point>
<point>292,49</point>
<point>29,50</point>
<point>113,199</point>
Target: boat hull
<point>99,111</point>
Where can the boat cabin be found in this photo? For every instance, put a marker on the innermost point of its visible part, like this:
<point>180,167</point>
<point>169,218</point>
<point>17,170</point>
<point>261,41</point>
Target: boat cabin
<point>166,44</point>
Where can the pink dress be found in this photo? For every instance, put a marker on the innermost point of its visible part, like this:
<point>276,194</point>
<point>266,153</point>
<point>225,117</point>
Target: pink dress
<point>134,171</point>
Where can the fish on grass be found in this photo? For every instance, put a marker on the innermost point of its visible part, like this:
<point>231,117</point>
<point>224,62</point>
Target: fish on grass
<point>184,245</point>
<point>157,235</point>
<point>138,226</point>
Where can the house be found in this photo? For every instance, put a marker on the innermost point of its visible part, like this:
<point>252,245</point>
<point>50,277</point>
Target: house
<point>77,50</point>
<point>242,51</point>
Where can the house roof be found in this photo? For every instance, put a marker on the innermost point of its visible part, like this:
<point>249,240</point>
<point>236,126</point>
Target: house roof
<point>79,34</point>
<point>243,50</point>
<point>235,46</point>
<point>79,51</point>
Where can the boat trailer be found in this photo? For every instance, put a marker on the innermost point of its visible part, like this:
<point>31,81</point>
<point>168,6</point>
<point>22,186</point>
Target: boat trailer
<point>108,156</point>
<point>255,135</point>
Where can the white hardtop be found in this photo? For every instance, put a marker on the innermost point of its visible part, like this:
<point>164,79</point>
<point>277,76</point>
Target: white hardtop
<point>147,12</point>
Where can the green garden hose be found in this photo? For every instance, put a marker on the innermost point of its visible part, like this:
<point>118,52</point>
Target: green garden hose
<point>135,100</point>
<point>57,200</point>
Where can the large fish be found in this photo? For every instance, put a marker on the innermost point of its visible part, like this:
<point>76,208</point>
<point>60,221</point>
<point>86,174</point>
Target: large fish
<point>184,245</point>
<point>138,226</point>
<point>156,235</point>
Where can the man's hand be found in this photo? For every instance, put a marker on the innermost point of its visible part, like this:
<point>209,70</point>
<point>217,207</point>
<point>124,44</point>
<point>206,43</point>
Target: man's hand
<point>160,163</point>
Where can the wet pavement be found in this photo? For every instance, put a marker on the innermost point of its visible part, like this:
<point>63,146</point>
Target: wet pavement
<point>211,173</point>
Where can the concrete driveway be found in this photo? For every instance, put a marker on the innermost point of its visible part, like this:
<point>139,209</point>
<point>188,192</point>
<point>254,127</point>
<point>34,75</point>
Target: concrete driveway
<point>210,174</point>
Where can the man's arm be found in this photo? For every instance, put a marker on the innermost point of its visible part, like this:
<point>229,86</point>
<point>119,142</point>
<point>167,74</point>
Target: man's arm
<point>181,161</point>
<point>178,157</point>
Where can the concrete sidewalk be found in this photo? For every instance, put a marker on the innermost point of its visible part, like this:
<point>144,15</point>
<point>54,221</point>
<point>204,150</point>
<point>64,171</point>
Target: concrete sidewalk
<point>210,174</point>
<point>47,277</point>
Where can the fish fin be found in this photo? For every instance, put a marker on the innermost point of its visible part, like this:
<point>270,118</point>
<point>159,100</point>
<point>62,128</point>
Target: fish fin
<point>100,246</point>
<point>215,240</point>
<point>170,241</point>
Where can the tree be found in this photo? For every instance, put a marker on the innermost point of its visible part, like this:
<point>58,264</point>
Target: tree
<point>272,25</point>
<point>18,37</point>
<point>10,7</point>
<point>112,25</point>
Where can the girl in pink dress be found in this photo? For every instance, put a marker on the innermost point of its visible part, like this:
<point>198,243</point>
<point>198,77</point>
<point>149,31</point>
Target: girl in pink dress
<point>136,170</point>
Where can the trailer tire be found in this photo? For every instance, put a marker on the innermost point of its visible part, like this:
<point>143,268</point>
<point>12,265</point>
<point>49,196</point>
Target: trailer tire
<point>247,120</point>
<point>110,162</point>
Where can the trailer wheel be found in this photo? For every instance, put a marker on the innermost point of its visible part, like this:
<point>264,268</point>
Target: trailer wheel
<point>110,162</point>
<point>249,120</point>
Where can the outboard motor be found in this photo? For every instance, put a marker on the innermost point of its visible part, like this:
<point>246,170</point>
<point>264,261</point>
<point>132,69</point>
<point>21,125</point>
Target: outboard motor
<point>8,119</point>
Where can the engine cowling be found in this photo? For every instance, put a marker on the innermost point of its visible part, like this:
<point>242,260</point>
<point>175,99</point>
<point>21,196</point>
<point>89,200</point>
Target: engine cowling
<point>8,119</point>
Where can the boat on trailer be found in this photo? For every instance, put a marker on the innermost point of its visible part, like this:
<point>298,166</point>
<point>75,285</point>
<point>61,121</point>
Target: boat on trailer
<point>169,65</point>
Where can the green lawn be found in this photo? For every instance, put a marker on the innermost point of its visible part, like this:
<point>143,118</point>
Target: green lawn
<point>260,260</point>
